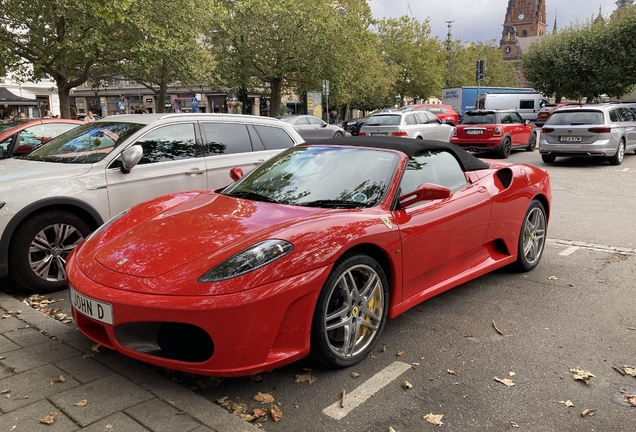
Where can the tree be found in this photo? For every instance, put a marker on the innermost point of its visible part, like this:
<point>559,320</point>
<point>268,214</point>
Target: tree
<point>407,44</point>
<point>463,58</point>
<point>61,39</point>
<point>160,46</point>
<point>277,44</point>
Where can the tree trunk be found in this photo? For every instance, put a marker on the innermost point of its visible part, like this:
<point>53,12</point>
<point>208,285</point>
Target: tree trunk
<point>63,90</point>
<point>558,97</point>
<point>276,85</point>
<point>160,103</point>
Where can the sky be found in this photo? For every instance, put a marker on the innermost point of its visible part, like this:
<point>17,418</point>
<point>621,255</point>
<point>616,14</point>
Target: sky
<point>482,20</point>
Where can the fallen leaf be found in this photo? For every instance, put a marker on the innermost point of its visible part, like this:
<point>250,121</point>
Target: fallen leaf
<point>355,374</point>
<point>383,348</point>
<point>435,419</point>
<point>391,429</point>
<point>400,353</point>
<point>49,419</point>
<point>257,377</point>
<point>631,399</point>
<point>468,335</point>
<point>306,377</point>
<point>507,382</point>
<point>87,356</point>
<point>7,314</point>
<point>81,403</point>
<point>582,375</point>
<point>586,411</point>
<point>567,403</point>
<point>552,278</point>
<point>237,408</point>
<point>264,398</point>
<point>222,400</point>
<point>276,413</point>
<point>3,357</point>
<point>415,364</point>
<point>58,379</point>
<point>259,412</point>
<point>511,373</point>
<point>97,348</point>
<point>407,385</point>
<point>622,390</point>
<point>247,417</point>
<point>5,391</point>
<point>451,371</point>
<point>513,424</point>
<point>629,370</point>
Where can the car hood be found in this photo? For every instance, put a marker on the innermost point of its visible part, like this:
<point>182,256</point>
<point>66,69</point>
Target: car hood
<point>211,225</point>
<point>21,173</point>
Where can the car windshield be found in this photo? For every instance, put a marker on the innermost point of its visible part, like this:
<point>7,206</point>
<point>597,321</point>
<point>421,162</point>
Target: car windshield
<point>89,143</point>
<point>479,118</point>
<point>6,125</point>
<point>320,176</point>
<point>573,118</point>
<point>381,120</point>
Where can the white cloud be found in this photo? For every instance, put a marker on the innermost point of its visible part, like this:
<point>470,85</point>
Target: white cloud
<point>482,20</point>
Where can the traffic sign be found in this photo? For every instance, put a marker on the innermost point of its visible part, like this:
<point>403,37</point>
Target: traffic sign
<point>195,108</point>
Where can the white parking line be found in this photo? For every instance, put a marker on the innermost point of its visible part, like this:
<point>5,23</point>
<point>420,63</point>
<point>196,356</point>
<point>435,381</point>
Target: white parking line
<point>366,390</point>
<point>570,250</point>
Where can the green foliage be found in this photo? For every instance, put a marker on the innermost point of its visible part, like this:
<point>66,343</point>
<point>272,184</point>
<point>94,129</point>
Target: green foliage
<point>586,60</point>
<point>463,57</point>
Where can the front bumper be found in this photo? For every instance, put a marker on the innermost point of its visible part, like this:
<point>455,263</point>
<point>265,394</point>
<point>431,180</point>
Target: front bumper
<point>251,331</point>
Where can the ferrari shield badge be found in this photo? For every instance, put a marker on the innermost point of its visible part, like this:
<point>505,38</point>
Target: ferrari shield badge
<point>387,222</point>
<point>122,262</point>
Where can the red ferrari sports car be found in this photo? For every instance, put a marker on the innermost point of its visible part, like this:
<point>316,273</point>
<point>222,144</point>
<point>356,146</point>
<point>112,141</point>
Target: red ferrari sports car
<point>310,253</point>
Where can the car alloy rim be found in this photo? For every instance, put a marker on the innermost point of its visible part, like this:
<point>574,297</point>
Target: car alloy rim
<point>534,235</point>
<point>354,311</point>
<point>50,248</point>
<point>621,152</point>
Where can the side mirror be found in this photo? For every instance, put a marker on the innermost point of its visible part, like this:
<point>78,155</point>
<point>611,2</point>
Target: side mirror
<point>130,157</point>
<point>527,122</point>
<point>424,192</point>
<point>23,149</point>
<point>323,125</point>
<point>236,173</point>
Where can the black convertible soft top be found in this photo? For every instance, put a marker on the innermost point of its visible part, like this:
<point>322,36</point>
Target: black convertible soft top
<point>409,147</point>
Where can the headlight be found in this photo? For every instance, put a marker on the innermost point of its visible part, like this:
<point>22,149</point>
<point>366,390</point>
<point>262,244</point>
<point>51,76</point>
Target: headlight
<point>103,227</point>
<point>247,260</point>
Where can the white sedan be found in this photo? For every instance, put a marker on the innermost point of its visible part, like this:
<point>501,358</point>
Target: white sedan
<point>413,124</point>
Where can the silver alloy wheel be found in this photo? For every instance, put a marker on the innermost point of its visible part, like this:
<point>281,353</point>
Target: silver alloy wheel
<point>621,151</point>
<point>534,235</point>
<point>354,311</point>
<point>50,248</point>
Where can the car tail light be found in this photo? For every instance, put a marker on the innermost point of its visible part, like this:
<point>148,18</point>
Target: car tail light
<point>362,133</point>
<point>547,129</point>
<point>497,131</point>
<point>601,129</point>
<point>399,133</point>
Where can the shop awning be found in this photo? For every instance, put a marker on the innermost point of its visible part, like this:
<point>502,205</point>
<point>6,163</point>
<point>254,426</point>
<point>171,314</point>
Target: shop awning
<point>8,98</point>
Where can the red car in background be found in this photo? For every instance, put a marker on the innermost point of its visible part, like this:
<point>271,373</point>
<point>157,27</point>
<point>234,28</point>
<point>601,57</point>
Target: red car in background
<point>500,131</point>
<point>21,136</point>
<point>444,113</point>
<point>544,113</point>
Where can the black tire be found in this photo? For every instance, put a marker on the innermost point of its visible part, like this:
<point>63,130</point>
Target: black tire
<point>419,137</point>
<point>532,144</point>
<point>55,234</point>
<point>343,307</point>
<point>617,159</point>
<point>338,135</point>
<point>531,237</point>
<point>548,158</point>
<point>504,148</point>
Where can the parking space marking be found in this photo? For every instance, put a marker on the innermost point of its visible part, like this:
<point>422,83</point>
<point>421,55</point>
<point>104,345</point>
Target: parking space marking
<point>366,390</point>
<point>592,246</point>
<point>570,250</point>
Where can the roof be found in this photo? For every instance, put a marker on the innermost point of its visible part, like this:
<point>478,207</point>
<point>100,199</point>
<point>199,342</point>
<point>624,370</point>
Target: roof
<point>8,98</point>
<point>409,147</point>
<point>151,118</point>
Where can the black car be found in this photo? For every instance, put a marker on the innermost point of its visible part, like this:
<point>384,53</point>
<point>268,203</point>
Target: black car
<point>353,126</point>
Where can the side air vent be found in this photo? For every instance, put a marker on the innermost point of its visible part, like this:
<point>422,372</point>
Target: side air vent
<point>505,177</point>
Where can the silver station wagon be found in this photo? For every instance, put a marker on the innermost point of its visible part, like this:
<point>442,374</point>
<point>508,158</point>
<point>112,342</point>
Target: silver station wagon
<point>596,130</point>
<point>412,124</point>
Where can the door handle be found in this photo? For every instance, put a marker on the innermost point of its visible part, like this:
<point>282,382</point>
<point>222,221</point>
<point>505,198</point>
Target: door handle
<point>194,171</point>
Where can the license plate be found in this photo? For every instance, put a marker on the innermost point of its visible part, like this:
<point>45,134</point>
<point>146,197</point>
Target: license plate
<point>99,311</point>
<point>474,131</point>
<point>378,134</point>
<point>570,139</point>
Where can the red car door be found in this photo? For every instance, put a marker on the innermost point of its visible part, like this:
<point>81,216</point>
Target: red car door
<point>440,237</point>
<point>520,130</point>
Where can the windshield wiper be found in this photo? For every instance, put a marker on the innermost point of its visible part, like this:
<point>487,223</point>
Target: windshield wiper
<point>252,196</point>
<point>333,204</point>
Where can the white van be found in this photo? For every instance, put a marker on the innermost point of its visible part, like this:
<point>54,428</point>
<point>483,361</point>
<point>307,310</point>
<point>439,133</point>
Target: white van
<point>526,104</point>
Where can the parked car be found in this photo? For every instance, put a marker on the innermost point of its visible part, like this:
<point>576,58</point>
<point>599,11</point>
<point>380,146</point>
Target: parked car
<point>498,131</point>
<point>445,113</point>
<point>603,130</point>
<point>544,113</point>
<point>310,253</point>
<point>353,126</point>
<point>311,127</point>
<point>527,104</point>
<point>51,199</point>
<point>18,137</point>
<point>418,124</point>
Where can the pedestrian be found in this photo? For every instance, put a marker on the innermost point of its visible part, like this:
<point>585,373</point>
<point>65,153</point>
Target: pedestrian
<point>89,117</point>
<point>333,117</point>
<point>47,114</point>
<point>22,115</point>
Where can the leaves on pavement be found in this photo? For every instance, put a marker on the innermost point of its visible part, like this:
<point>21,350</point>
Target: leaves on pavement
<point>407,385</point>
<point>630,399</point>
<point>506,381</point>
<point>307,376</point>
<point>435,419</point>
<point>264,398</point>
<point>81,403</point>
<point>58,379</point>
<point>567,403</point>
<point>552,278</point>
<point>49,419</point>
<point>97,348</point>
<point>355,374</point>
<point>276,413</point>
<point>582,375</point>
